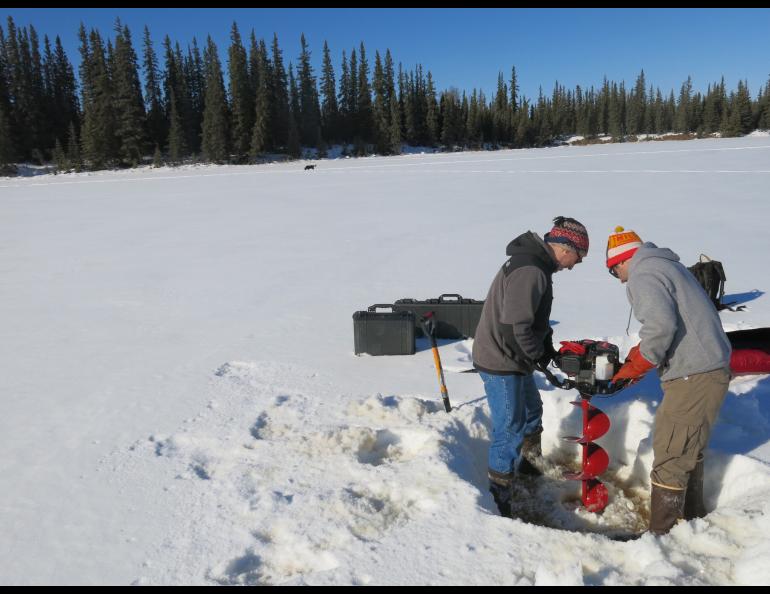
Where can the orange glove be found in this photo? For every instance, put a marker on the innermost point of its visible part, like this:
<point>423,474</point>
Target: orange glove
<point>634,367</point>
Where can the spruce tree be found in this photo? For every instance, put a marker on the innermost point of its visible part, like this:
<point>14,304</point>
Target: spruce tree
<point>73,148</point>
<point>193,88</point>
<point>500,111</point>
<point>42,140</point>
<point>623,107</point>
<point>353,93</point>
<point>156,122</point>
<point>657,123</point>
<point>98,138</point>
<point>215,138</point>
<point>764,109</point>
<point>241,96</point>
<point>514,88</point>
<point>543,120</point>
<point>726,127</point>
<point>65,100</point>
<point>364,101</point>
<point>25,90</point>
<point>381,109</point>
<point>48,106</point>
<point>711,110</point>
<point>157,157</point>
<point>603,108</point>
<point>172,91</point>
<point>128,101</point>
<point>637,107</point>
<point>7,150</point>
<point>394,107</point>
<point>524,129</point>
<point>261,131</point>
<point>177,141</point>
<point>557,108</point>
<point>7,147</point>
<point>741,119</point>
<point>260,137</point>
<point>409,124</point>
<point>280,99</point>
<point>294,142</point>
<point>329,110</point>
<point>648,113</point>
<point>431,112</point>
<point>310,117</point>
<point>452,118</point>
<point>667,111</point>
<point>394,133</point>
<point>10,78</point>
<point>344,102</point>
<point>683,112</point>
<point>581,118</point>
<point>473,123</point>
<point>615,122</point>
<point>253,59</point>
<point>696,113</point>
<point>60,157</point>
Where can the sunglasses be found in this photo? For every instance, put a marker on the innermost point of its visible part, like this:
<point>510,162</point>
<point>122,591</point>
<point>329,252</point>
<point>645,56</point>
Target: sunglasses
<point>613,271</point>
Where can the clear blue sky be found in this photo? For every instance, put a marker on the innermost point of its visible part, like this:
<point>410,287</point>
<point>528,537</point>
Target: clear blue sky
<point>467,48</point>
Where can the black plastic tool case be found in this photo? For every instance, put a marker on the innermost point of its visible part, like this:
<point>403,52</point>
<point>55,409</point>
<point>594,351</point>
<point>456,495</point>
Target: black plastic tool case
<point>384,333</point>
<point>457,317</point>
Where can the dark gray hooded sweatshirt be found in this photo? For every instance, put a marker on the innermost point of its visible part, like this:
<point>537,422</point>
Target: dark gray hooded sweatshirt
<point>514,322</point>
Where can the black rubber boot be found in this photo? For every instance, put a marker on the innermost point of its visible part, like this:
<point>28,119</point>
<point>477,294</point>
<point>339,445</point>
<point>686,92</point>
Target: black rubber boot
<point>501,487</point>
<point>693,499</point>
<point>531,452</point>
<point>666,507</point>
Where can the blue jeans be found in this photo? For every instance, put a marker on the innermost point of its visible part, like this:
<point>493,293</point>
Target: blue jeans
<point>517,410</point>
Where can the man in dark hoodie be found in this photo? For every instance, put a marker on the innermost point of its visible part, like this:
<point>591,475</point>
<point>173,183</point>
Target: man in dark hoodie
<point>512,336</point>
<point>681,336</point>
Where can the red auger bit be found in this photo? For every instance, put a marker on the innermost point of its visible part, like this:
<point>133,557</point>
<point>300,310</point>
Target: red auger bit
<point>595,459</point>
<point>590,365</point>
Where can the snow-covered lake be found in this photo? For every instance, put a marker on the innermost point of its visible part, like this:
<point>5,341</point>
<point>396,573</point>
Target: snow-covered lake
<point>181,403</point>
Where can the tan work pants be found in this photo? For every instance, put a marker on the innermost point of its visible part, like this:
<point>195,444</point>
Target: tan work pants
<point>683,425</point>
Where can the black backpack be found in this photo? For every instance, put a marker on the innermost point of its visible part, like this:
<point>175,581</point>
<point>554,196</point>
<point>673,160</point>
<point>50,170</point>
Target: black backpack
<point>711,276</point>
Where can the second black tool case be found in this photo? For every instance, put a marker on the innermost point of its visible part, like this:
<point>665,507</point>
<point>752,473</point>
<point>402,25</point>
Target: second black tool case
<point>457,317</point>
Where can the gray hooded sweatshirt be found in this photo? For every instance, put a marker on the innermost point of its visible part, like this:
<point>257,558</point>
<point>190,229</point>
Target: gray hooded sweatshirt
<point>681,331</point>
<point>514,324</point>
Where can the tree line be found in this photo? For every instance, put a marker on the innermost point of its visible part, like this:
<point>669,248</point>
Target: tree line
<point>181,109</point>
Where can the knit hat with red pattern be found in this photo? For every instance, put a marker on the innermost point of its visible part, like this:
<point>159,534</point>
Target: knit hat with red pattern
<point>569,232</point>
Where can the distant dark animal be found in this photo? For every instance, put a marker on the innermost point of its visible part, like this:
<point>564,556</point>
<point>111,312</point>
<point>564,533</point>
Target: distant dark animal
<point>309,167</point>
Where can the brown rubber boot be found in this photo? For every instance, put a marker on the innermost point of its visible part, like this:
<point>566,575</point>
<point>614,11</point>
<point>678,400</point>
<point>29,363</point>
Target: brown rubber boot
<point>531,452</point>
<point>501,487</point>
<point>693,499</point>
<point>666,507</point>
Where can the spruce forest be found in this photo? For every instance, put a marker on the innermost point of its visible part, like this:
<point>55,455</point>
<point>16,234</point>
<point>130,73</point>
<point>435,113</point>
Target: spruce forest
<point>182,104</point>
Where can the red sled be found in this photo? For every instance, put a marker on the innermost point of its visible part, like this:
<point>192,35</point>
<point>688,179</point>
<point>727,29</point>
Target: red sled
<point>751,350</point>
<point>750,361</point>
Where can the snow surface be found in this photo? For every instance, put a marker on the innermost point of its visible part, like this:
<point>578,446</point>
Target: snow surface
<point>182,405</point>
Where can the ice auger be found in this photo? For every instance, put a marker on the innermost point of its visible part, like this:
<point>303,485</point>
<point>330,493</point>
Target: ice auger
<point>589,366</point>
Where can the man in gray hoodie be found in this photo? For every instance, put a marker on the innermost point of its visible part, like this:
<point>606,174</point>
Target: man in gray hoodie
<point>513,334</point>
<point>681,335</point>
